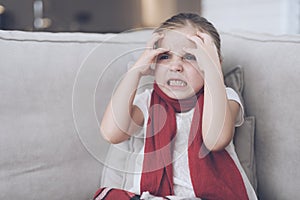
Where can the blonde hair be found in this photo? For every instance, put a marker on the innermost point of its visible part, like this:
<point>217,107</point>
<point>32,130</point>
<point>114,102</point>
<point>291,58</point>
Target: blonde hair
<point>183,19</point>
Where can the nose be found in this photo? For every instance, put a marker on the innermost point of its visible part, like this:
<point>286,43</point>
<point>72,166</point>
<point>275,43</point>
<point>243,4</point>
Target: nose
<point>176,66</point>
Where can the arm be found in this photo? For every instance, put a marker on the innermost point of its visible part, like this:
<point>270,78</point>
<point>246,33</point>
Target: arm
<point>219,113</point>
<point>121,118</point>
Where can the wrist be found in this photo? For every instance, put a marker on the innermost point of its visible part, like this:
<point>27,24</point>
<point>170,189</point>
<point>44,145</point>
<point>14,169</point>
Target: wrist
<point>213,75</point>
<point>135,71</point>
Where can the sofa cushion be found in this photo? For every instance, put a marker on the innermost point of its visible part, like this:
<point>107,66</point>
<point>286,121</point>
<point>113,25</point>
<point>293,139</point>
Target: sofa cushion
<point>244,145</point>
<point>234,78</point>
<point>50,146</point>
<point>41,154</point>
<point>244,134</point>
<point>272,95</point>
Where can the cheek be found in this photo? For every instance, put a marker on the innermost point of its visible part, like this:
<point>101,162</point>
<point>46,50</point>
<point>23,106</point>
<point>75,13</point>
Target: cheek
<point>158,74</point>
<point>160,69</point>
<point>196,80</point>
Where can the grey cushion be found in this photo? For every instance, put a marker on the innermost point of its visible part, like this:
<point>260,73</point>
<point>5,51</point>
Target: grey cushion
<point>234,78</point>
<point>272,95</point>
<point>50,143</point>
<point>42,155</point>
<point>244,145</point>
<point>244,135</point>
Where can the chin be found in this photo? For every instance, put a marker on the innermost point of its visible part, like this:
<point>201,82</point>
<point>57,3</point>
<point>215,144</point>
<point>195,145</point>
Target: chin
<point>179,94</point>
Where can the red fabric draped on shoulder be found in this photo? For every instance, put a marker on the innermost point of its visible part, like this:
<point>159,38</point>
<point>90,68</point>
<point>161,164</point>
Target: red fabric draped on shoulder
<point>214,175</point>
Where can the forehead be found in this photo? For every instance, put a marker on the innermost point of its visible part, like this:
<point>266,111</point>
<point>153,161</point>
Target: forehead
<point>176,39</point>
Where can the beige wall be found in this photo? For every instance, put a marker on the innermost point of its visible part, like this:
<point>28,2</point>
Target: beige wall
<point>156,11</point>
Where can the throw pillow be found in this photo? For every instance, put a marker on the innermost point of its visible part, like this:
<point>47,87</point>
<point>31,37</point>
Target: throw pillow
<point>244,135</point>
<point>244,146</point>
<point>234,78</point>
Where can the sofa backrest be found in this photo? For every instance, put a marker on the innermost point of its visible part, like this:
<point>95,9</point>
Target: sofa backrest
<point>50,143</point>
<point>54,88</point>
<point>272,94</point>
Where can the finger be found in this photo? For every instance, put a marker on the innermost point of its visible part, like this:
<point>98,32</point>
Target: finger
<point>152,55</point>
<point>153,41</point>
<point>160,50</point>
<point>207,39</point>
<point>197,40</point>
<point>152,70</point>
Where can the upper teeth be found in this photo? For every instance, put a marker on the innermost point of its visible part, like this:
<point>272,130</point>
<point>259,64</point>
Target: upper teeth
<point>177,83</point>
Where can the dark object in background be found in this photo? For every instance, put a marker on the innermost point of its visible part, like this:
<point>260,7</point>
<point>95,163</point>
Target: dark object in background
<point>83,17</point>
<point>2,11</point>
<point>6,20</point>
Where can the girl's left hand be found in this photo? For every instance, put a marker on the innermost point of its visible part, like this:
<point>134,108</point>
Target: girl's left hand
<point>205,52</point>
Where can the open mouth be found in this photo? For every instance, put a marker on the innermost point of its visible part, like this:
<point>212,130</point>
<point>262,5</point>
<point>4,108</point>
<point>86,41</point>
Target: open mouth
<point>176,83</point>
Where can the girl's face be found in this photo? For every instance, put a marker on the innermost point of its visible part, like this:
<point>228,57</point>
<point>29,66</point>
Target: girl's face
<point>176,71</point>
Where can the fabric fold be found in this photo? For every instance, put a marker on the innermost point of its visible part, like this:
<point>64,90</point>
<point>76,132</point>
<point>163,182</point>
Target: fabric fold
<point>214,175</point>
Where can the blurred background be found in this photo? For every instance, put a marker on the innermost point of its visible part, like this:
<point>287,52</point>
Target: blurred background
<point>102,16</point>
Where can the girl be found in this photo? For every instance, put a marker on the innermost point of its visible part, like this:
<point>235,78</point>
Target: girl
<point>188,117</point>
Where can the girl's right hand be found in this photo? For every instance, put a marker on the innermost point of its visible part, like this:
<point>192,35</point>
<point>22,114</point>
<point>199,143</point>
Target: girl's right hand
<point>148,57</point>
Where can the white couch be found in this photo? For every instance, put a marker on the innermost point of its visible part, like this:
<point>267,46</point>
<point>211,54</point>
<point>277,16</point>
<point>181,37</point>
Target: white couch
<point>54,88</point>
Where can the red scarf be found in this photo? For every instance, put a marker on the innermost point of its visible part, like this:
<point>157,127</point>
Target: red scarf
<point>214,175</point>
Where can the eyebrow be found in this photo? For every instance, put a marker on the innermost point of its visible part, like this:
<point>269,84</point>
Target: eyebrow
<point>178,54</point>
